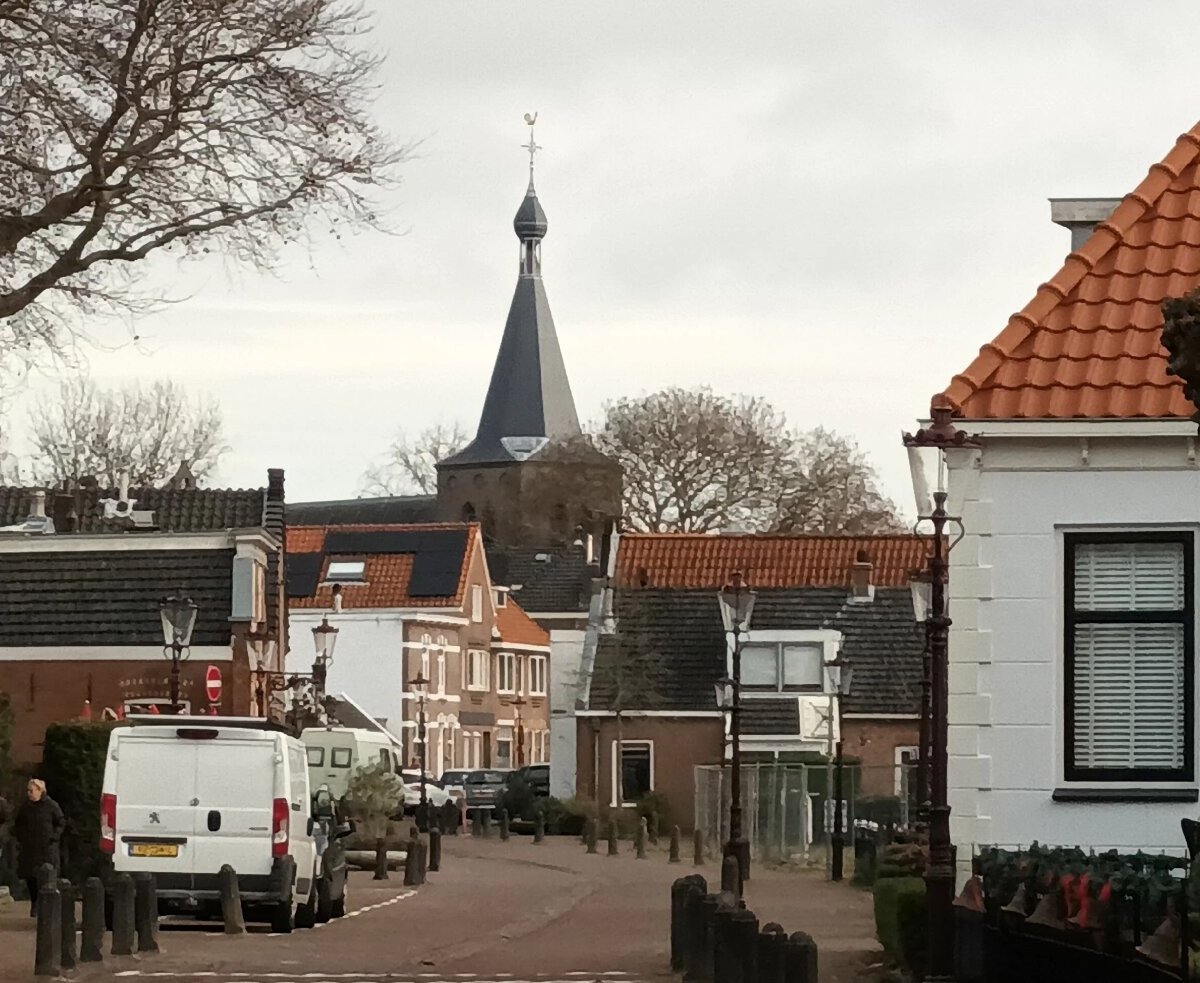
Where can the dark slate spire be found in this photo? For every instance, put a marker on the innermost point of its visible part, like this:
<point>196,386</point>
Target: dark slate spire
<point>529,401</point>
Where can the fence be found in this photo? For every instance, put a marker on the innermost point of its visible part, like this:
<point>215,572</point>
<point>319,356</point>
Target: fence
<point>787,809</point>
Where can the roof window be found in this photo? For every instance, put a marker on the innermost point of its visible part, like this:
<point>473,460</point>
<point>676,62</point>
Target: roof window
<point>346,572</point>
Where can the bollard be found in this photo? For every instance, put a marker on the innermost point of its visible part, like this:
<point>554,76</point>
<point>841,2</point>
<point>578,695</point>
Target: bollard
<point>652,829</point>
<point>435,850</point>
<point>639,839</point>
<point>412,864</point>
<point>744,936</point>
<point>231,901</point>
<point>800,959</point>
<point>123,915</point>
<point>93,921</point>
<point>539,829</point>
<point>591,833</point>
<point>698,848</point>
<point>730,875</point>
<point>504,825</point>
<point>708,918</point>
<point>487,823</point>
<point>681,889</point>
<point>66,894</point>
<point>477,823</point>
<point>613,849</point>
<point>692,947</point>
<point>146,912</point>
<point>726,965</point>
<point>422,860</point>
<point>771,942</point>
<point>48,946</point>
<point>674,857</point>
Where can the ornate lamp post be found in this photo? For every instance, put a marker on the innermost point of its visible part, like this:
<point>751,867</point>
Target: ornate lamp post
<point>419,686</point>
<point>324,641</point>
<point>838,677</point>
<point>939,875</point>
<point>737,605</point>
<point>517,704</point>
<point>922,600</point>
<point>178,613</point>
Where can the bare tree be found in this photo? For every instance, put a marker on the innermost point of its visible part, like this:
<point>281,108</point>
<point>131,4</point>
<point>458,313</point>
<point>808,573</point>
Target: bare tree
<point>146,432</point>
<point>408,466</point>
<point>134,126</point>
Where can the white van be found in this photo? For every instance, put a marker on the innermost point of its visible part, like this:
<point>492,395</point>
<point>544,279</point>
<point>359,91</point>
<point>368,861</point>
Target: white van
<point>183,796</point>
<point>335,753</point>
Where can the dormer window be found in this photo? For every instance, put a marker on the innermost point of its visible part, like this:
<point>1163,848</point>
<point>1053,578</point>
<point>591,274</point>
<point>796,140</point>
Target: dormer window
<point>501,596</point>
<point>346,572</point>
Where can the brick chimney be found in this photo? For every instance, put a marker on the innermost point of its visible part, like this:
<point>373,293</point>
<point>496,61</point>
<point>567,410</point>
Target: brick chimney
<point>861,589</point>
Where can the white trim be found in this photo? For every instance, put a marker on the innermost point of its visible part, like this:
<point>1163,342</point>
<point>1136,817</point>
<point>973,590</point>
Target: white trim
<point>131,542</point>
<point>109,653</point>
<point>705,714</point>
<point>558,615</point>
<point>1171,427</point>
<point>615,755</point>
<point>418,615</point>
<point>545,660</point>
<point>432,645</point>
<point>536,649</point>
<point>512,687</point>
<point>881,716</point>
<point>781,635</point>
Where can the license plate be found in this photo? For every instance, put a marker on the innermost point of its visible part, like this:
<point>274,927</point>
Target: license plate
<point>154,850</point>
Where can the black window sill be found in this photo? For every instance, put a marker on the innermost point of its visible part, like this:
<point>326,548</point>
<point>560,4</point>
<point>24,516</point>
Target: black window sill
<point>1126,795</point>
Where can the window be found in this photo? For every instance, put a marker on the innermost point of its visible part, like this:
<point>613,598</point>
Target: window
<point>786,666</point>
<point>341,757</point>
<point>477,603</point>
<point>906,772</point>
<point>506,672</point>
<point>504,752</point>
<point>477,669</point>
<point>426,641</point>
<point>537,675</point>
<point>501,597</point>
<point>633,774</point>
<point>316,757</point>
<point>1129,617</point>
<point>346,572</point>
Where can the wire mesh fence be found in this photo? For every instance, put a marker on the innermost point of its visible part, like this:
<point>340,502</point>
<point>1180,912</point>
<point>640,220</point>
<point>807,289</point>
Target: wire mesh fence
<point>787,809</point>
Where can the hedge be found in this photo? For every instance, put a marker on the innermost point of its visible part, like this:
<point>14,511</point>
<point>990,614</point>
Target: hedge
<point>900,921</point>
<point>73,758</point>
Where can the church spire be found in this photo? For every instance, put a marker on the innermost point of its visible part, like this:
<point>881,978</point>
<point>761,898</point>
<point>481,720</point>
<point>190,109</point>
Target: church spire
<point>529,401</point>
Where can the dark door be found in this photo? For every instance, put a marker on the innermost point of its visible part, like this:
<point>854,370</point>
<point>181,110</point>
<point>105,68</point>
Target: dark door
<point>487,750</point>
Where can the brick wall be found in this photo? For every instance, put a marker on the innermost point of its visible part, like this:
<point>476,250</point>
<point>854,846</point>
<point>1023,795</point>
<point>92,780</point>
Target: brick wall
<point>874,743</point>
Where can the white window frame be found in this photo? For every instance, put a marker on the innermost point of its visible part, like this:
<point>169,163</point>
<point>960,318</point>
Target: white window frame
<point>899,759</point>
<point>616,758</point>
<point>544,663</point>
<point>356,576</point>
<point>508,685</point>
<point>426,644</point>
<point>478,670</point>
<point>476,603</point>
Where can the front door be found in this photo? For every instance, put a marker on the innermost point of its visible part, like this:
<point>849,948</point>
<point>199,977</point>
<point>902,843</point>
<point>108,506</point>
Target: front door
<point>487,750</point>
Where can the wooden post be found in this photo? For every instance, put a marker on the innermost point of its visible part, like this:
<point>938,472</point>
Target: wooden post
<point>504,824</point>
<point>539,828</point>
<point>640,839</point>
<point>800,959</point>
<point>771,942</point>
<point>90,947</point>
<point>412,864</point>
<point>231,901</point>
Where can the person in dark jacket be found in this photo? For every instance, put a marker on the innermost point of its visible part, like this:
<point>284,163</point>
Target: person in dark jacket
<point>39,828</point>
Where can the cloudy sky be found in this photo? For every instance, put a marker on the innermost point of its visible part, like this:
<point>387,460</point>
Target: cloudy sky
<point>831,205</point>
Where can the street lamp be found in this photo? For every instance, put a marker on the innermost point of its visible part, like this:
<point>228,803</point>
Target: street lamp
<point>737,605</point>
<point>922,601</point>
<point>419,686</point>
<point>941,436</point>
<point>178,613</point>
<point>838,677</point>
<point>517,703</point>
<point>324,641</point>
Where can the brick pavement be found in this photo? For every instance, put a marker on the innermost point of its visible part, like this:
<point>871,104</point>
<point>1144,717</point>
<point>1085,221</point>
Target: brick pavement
<point>497,911</point>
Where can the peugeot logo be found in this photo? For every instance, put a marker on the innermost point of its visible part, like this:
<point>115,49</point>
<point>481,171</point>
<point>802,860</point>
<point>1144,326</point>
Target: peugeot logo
<point>154,818</point>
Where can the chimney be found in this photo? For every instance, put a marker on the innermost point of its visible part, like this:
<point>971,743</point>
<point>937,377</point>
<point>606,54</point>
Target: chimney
<point>38,509</point>
<point>1081,216</point>
<point>275,484</point>
<point>860,578</point>
<point>337,598</point>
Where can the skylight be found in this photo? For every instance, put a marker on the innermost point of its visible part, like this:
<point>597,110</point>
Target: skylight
<point>346,572</point>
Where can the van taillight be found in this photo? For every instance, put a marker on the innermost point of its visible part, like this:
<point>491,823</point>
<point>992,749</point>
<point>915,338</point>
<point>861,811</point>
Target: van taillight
<point>108,823</point>
<point>279,828</point>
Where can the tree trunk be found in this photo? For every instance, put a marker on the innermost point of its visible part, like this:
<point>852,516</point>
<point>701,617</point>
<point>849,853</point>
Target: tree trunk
<point>381,859</point>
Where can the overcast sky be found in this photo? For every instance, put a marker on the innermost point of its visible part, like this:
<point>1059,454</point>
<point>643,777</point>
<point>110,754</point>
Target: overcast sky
<point>831,205</point>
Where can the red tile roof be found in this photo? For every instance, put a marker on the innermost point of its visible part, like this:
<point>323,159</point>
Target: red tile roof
<point>1089,343</point>
<point>517,628</point>
<point>387,575</point>
<point>690,560</point>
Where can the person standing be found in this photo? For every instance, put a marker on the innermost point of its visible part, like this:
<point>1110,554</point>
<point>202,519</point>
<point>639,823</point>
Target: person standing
<point>39,828</point>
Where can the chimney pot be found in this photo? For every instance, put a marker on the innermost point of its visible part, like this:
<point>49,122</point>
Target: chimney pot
<point>39,504</point>
<point>1081,216</point>
<point>860,577</point>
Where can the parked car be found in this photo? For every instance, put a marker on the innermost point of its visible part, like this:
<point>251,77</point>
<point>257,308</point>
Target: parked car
<point>335,753</point>
<point>537,777</point>
<point>453,782</point>
<point>183,796</point>
<point>435,795</point>
<point>484,786</point>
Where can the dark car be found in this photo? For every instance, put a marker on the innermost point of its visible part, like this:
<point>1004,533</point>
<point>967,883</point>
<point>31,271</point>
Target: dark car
<point>484,786</point>
<point>537,777</point>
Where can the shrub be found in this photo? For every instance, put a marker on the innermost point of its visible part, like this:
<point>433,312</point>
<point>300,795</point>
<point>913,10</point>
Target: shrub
<point>900,923</point>
<point>73,758</point>
<point>656,808</point>
<point>518,799</point>
<point>572,815</point>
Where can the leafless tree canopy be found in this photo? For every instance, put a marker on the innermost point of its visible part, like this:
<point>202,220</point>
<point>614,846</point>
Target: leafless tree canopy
<point>85,431</point>
<point>408,467</point>
<point>131,126</point>
<point>698,462</point>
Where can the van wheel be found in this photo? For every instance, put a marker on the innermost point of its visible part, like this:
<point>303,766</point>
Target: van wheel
<point>282,921</point>
<point>324,902</point>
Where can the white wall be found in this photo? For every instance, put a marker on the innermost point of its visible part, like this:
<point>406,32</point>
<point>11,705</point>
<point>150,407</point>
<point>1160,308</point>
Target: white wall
<point>566,658</point>
<point>1007,639</point>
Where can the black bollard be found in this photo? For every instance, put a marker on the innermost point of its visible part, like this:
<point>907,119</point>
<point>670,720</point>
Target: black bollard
<point>422,859</point>
<point>487,823</point>
<point>435,850</point>
<point>674,857</point>
<point>93,921</point>
<point>726,964</point>
<point>412,864</point>
<point>477,822</point>
<point>693,927</point>
<point>590,832</point>
<point>231,901</point>
<point>539,828</point>
<point>771,942</point>
<point>123,915</point>
<point>682,891</point>
<point>730,876</point>
<point>504,824</point>
<point>744,935</point>
<point>639,839</point>
<point>800,959</point>
<point>48,952</point>
<point>698,848</point>
<point>708,926</point>
<point>612,838</point>
<point>146,912</point>
<point>66,894</point>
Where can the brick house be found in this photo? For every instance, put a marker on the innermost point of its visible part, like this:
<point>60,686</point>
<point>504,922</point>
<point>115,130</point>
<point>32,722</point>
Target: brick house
<point>82,573</point>
<point>417,599</point>
<point>659,648</point>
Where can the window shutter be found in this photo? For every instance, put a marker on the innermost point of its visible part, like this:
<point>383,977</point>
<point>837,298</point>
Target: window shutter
<point>1129,577</point>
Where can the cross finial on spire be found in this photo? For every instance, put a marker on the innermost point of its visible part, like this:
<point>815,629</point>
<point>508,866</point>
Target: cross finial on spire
<point>533,148</point>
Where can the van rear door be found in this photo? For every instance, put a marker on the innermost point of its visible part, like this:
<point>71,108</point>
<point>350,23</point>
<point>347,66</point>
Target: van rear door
<point>235,789</point>
<point>155,816</point>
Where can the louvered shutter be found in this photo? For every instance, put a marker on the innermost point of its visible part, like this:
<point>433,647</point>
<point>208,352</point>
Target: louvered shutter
<point>1129,676</point>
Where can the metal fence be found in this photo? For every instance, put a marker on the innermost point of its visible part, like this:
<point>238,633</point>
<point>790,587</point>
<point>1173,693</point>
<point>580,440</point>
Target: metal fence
<point>787,809</point>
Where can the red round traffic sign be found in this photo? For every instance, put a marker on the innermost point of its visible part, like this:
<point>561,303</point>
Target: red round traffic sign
<point>212,684</point>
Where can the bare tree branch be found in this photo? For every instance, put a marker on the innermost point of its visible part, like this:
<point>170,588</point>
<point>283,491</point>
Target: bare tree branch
<point>408,466</point>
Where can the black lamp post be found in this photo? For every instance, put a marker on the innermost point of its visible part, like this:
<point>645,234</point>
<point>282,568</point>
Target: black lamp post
<point>942,435</point>
<point>178,613</point>
<point>419,686</point>
<point>922,598</point>
<point>517,704</point>
<point>838,678</point>
<point>325,638</point>
<point>737,605</point>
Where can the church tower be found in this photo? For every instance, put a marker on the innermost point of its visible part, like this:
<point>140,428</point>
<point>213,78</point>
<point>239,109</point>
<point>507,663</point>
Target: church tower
<point>530,476</point>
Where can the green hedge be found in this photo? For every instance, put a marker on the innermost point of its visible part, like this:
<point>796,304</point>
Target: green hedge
<point>900,922</point>
<point>73,769</point>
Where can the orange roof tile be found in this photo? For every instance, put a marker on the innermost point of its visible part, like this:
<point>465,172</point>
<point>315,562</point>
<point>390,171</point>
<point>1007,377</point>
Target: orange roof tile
<point>692,560</point>
<point>387,576</point>
<point>517,628</point>
<point>1089,343</point>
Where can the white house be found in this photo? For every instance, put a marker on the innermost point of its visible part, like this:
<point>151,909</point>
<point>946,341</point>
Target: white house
<point>1073,593</point>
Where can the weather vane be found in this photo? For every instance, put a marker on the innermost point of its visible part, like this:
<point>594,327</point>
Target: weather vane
<point>533,148</point>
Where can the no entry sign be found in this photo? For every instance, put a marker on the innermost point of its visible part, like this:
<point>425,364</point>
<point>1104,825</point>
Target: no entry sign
<point>212,684</point>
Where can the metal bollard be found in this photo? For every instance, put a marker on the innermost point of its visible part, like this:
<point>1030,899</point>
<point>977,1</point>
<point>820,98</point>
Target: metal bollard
<point>539,828</point>
<point>92,940</point>
<point>146,912</point>
<point>693,927</point>
<point>680,889</point>
<point>726,964</point>
<point>435,850</point>
<point>639,840</point>
<point>504,831</point>
<point>231,901</point>
<point>123,915</point>
<point>800,959</point>
<point>67,893</point>
<point>412,864</point>
<point>771,942</point>
<point>674,857</point>
<point>613,849</point>
<point>731,875</point>
<point>698,848</point>
<point>708,948</point>
<point>47,959</point>
<point>591,833</point>
<point>744,936</point>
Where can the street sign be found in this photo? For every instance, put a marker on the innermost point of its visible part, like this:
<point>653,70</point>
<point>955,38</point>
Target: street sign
<point>212,684</point>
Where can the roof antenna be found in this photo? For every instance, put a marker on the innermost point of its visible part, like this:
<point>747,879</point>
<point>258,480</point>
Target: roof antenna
<point>533,148</point>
